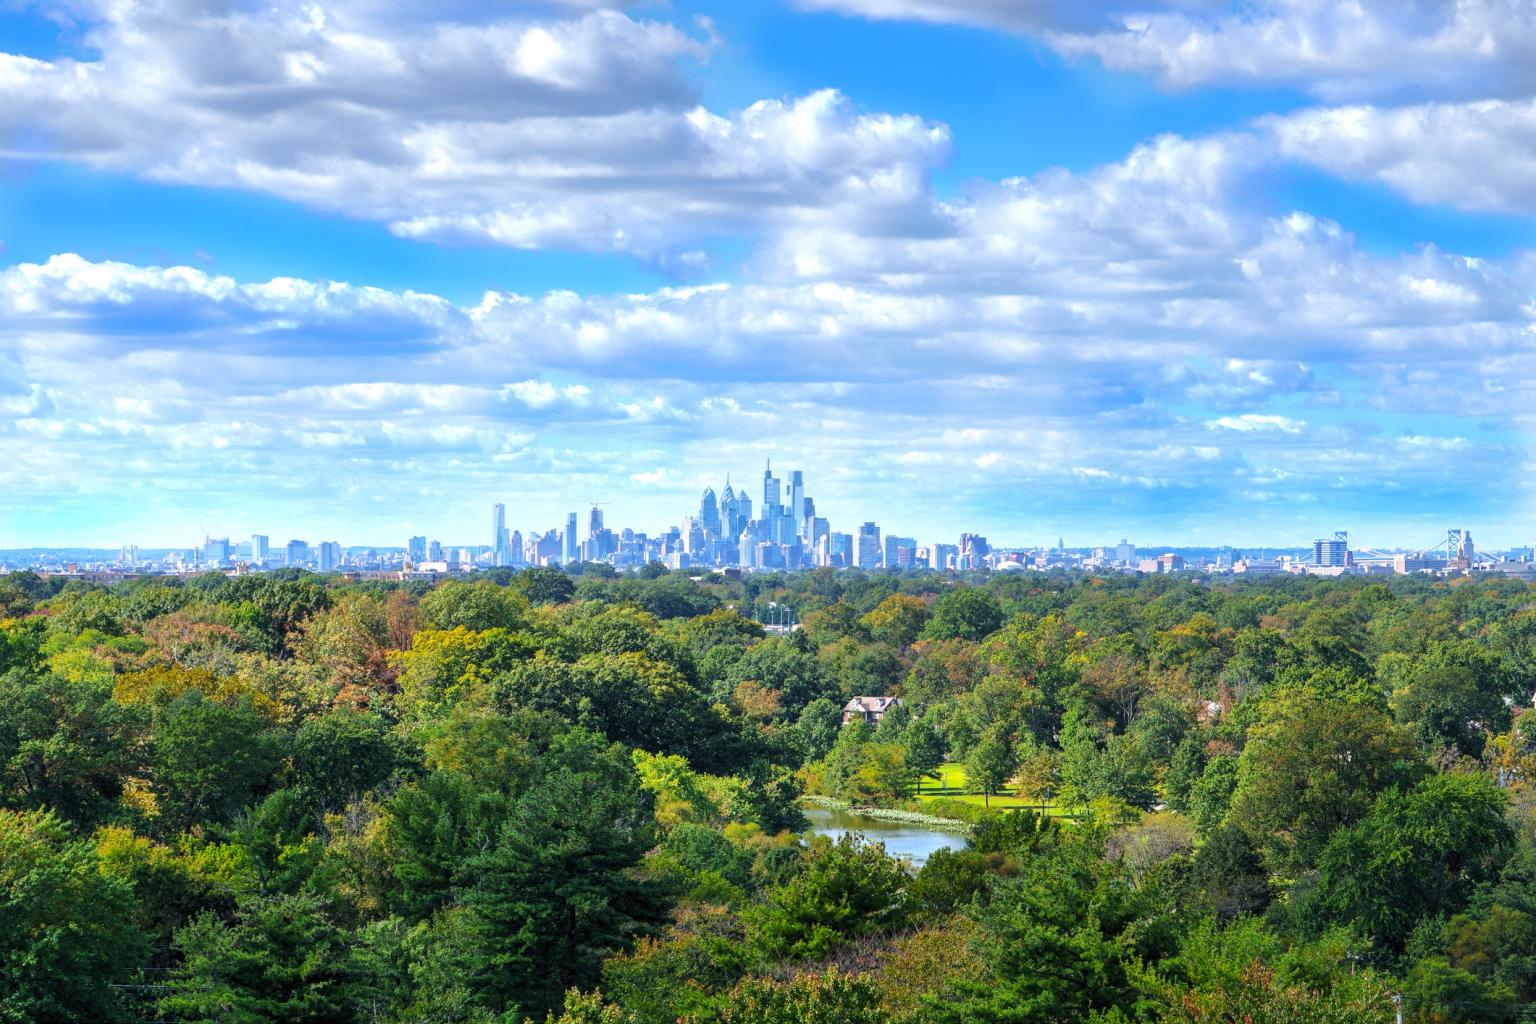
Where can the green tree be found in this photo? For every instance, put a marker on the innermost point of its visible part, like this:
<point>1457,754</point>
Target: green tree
<point>990,764</point>
<point>210,760</point>
<point>66,745</point>
<point>965,613</point>
<point>545,585</point>
<point>898,620</point>
<point>476,606</point>
<point>1229,871</point>
<point>844,889</point>
<point>66,931</point>
<point>1312,765</point>
<point>830,998</point>
<point>923,747</point>
<point>1417,853</point>
<point>279,960</point>
<point>339,757</point>
<point>557,891</point>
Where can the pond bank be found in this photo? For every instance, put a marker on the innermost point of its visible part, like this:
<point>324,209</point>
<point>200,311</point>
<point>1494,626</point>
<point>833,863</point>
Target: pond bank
<point>905,834</point>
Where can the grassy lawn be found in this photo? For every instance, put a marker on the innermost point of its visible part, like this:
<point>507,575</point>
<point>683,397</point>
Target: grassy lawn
<point>951,786</point>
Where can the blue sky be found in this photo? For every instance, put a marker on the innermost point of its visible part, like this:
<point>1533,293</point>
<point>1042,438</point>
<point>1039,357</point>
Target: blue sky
<point>1174,270</point>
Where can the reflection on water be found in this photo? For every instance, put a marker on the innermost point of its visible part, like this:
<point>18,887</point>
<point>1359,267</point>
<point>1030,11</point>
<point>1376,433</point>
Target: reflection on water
<point>901,838</point>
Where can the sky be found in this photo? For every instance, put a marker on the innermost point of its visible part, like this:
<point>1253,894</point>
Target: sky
<point>1182,271</point>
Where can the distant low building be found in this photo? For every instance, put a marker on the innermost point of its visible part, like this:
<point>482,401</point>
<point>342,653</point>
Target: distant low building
<point>868,709</point>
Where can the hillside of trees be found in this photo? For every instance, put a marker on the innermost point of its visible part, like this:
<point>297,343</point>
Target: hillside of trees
<point>579,798</point>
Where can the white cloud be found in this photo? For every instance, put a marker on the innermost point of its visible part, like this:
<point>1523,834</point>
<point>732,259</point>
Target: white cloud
<point>567,129</point>
<point>1333,49</point>
<point>1252,422</point>
<point>1476,156</point>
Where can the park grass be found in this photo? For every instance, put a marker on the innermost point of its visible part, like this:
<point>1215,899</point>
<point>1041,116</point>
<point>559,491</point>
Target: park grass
<point>951,786</point>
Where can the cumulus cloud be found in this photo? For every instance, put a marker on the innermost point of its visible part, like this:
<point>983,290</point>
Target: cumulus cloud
<point>1334,50</point>
<point>1107,336</point>
<point>575,129</point>
<point>1477,155</point>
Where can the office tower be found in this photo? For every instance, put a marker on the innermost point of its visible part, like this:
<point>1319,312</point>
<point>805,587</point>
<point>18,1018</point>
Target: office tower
<point>515,548</point>
<point>692,536</point>
<point>819,528</point>
<point>797,501</point>
<point>416,550</point>
<point>570,539</point>
<point>770,507</point>
<point>215,551</point>
<point>1125,552</point>
<point>297,553</point>
<point>434,552</point>
<point>709,512</point>
<point>498,534</point>
<point>329,556</point>
<point>894,546</point>
<point>259,549</point>
<point>942,556</point>
<point>730,513</point>
<point>808,519</point>
<point>866,553</point>
<point>1331,552</point>
<point>594,521</point>
<point>743,509</point>
<point>840,548</point>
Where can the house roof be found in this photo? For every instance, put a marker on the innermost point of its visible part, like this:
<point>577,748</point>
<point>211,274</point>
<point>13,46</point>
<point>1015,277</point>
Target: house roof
<point>871,703</point>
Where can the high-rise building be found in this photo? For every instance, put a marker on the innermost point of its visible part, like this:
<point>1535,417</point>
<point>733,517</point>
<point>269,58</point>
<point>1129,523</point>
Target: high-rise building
<point>797,501</point>
<point>866,554</point>
<point>260,545</point>
<point>730,513</point>
<point>297,553</point>
<point>1125,552</point>
<point>215,551</point>
<point>328,558</point>
<point>709,512</point>
<point>499,536</point>
<point>434,551</point>
<point>893,547</point>
<point>1331,552</point>
<point>570,556</point>
<point>416,550</point>
<point>515,548</point>
<point>770,509</point>
<point>840,549</point>
<point>594,522</point>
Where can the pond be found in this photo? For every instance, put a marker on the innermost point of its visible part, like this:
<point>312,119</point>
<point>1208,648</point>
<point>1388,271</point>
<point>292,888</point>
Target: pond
<point>901,839</point>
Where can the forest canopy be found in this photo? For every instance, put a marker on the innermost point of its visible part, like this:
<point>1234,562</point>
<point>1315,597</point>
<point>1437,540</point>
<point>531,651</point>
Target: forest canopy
<point>581,797</point>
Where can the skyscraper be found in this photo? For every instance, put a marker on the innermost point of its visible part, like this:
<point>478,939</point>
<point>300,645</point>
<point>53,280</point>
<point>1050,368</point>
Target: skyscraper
<point>730,513</point>
<point>709,512</point>
<point>215,551</point>
<point>498,534</point>
<point>329,558</point>
<point>259,548</point>
<point>866,552</point>
<point>797,501</point>
<point>570,556</point>
<point>770,507</point>
<point>298,553</point>
<point>416,550</point>
<point>595,521</point>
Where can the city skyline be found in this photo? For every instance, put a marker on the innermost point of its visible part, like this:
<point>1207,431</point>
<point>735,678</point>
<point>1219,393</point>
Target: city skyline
<point>781,528</point>
<point>1038,268</point>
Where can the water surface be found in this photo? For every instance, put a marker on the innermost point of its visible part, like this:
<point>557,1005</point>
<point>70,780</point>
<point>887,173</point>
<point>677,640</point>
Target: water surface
<point>901,838</point>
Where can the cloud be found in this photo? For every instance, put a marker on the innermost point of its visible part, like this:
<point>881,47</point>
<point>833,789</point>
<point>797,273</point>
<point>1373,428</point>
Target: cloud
<point>1475,156</point>
<point>1333,50</point>
<point>562,129</point>
<point>1252,422</point>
